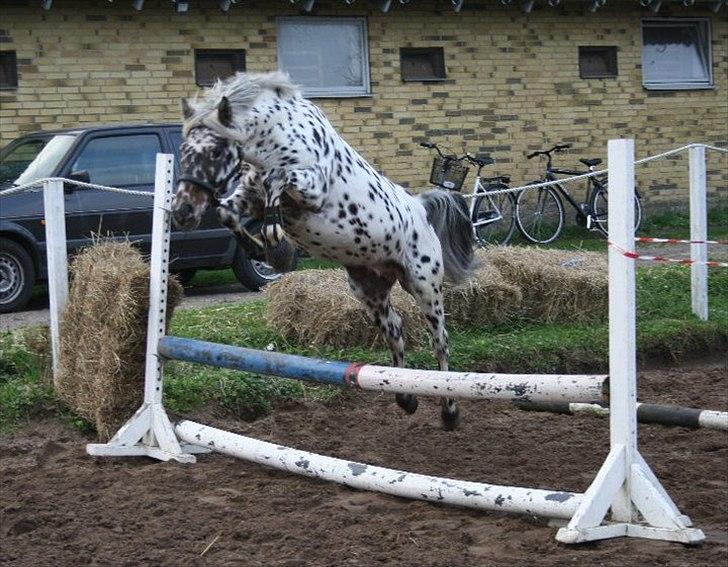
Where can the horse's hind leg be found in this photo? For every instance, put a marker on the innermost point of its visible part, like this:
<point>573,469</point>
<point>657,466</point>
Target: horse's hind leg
<point>373,291</point>
<point>425,285</point>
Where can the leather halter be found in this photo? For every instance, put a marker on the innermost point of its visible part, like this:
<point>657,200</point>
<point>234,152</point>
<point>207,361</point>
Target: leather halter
<point>212,190</point>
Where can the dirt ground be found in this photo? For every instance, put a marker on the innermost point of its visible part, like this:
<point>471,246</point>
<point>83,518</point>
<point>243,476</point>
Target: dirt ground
<point>61,507</point>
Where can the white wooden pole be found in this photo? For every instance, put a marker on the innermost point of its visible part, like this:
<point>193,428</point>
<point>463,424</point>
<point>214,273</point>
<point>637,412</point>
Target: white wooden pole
<point>482,496</point>
<point>55,233</point>
<point>698,231</point>
<point>622,314</point>
<point>158,277</point>
<point>149,431</point>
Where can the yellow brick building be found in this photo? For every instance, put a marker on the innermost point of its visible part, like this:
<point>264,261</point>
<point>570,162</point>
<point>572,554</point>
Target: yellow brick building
<point>512,79</point>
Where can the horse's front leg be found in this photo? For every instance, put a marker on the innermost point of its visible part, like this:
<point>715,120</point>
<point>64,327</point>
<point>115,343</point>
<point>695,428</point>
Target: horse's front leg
<point>306,186</point>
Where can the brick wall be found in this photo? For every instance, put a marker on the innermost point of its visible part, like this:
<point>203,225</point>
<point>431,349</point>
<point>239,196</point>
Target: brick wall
<point>512,80</point>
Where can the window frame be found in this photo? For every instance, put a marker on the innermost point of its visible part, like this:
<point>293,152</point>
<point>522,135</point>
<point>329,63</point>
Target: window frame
<point>14,83</point>
<point>71,165</point>
<point>238,53</point>
<point>334,92</point>
<point>613,59</point>
<point>439,60</point>
<point>678,85</point>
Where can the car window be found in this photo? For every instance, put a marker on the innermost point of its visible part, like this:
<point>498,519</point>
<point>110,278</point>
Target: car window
<point>120,160</point>
<point>33,159</point>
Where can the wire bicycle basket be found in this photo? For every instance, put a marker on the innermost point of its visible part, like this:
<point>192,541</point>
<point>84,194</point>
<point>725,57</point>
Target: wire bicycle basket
<point>448,173</point>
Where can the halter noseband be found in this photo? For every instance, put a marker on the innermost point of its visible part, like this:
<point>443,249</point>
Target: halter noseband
<point>212,190</point>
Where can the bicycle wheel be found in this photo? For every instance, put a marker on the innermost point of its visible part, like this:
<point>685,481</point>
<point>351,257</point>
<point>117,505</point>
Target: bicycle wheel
<point>540,215</point>
<point>493,217</point>
<point>599,211</point>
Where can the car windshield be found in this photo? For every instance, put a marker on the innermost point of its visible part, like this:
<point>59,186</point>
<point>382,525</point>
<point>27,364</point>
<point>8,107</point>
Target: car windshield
<point>33,159</point>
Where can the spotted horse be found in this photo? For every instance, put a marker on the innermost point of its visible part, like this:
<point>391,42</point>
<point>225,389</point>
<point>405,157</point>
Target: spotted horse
<point>324,196</point>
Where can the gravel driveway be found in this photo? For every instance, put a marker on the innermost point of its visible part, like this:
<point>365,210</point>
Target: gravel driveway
<point>38,313</point>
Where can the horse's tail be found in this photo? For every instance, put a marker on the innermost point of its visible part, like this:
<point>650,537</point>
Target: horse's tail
<point>448,214</point>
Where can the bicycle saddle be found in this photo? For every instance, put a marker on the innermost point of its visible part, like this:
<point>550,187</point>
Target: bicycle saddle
<point>482,161</point>
<point>498,179</point>
<point>591,162</point>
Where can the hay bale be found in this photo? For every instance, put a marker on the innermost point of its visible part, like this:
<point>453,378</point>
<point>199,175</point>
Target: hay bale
<point>485,299</point>
<point>317,308</point>
<point>103,334</point>
<point>557,285</point>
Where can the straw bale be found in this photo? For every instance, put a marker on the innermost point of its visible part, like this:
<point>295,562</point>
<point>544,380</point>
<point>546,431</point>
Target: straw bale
<point>103,334</point>
<point>317,308</point>
<point>557,285</point>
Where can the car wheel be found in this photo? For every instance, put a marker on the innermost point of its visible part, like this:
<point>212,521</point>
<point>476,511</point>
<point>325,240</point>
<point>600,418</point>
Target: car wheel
<point>17,276</point>
<point>254,273</point>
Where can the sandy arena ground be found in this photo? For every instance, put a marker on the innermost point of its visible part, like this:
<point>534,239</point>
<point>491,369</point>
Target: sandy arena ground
<point>61,507</point>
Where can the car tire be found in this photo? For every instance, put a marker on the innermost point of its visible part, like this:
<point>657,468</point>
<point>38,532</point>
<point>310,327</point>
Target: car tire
<point>254,273</point>
<point>17,276</point>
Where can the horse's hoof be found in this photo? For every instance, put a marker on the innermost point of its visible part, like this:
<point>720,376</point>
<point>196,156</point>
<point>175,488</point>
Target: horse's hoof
<point>407,402</point>
<point>450,418</point>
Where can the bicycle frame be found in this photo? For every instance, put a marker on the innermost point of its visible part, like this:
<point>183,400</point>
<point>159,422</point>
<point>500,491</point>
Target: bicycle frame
<point>580,208</point>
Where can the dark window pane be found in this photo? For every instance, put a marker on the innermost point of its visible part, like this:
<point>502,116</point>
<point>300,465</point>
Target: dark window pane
<point>676,53</point>
<point>597,62</point>
<point>120,160</point>
<point>214,64</point>
<point>422,63</point>
<point>8,70</point>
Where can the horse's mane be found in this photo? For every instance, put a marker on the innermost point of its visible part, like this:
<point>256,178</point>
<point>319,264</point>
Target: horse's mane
<point>241,90</point>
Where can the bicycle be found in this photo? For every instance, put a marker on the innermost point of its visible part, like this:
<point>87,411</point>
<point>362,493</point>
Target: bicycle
<point>492,216</point>
<point>540,212</point>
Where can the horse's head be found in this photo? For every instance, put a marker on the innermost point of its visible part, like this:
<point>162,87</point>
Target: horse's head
<point>210,164</point>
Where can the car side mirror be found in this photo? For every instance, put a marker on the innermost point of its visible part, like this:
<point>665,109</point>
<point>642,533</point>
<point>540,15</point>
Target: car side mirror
<point>83,176</point>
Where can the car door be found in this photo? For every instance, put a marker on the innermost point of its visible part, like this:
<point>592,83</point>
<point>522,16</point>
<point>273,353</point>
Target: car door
<point>124,159</point>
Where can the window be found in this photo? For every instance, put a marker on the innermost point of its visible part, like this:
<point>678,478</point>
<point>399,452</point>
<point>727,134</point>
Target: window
<point>214,64</point>
<point>597,62</point>
<point>422,63</point>
<point>8,70</point>
<point>326,56</point>
<point>676,54</point>
<point>120,160</point>
<point>33,159</point>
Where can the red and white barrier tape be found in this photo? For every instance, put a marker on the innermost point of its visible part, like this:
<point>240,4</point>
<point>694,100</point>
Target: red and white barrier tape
<point>678,241</point>
<point>635,256</point>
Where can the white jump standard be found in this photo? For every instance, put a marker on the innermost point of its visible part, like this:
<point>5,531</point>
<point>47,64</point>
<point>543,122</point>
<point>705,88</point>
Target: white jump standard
<point>639,506</point>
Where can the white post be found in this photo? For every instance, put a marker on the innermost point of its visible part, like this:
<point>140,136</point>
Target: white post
<point>149,431</point>
<point>640,506</point>
<point>55,233</point>
<point>158,277</point>
<point>698,231</point>
<point>622,317</point>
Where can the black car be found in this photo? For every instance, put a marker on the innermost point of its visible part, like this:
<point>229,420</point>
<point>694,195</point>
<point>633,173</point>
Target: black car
<point>117,156</point>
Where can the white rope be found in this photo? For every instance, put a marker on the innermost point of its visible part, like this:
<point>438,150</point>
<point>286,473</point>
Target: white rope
<point>590,174</point>
<point>80,184</point>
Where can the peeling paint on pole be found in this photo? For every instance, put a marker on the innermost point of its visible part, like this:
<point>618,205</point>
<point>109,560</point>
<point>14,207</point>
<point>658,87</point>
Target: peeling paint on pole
<point>481,496</point>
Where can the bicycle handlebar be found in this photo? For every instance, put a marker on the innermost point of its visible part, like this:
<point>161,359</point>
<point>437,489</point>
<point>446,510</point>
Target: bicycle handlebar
<point>480,162</point>
<point>558,148</point>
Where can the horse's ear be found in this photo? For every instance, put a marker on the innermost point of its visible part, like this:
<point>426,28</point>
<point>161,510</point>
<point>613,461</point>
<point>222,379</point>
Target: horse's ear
<point>225,112</point>
<point>187,110</point>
